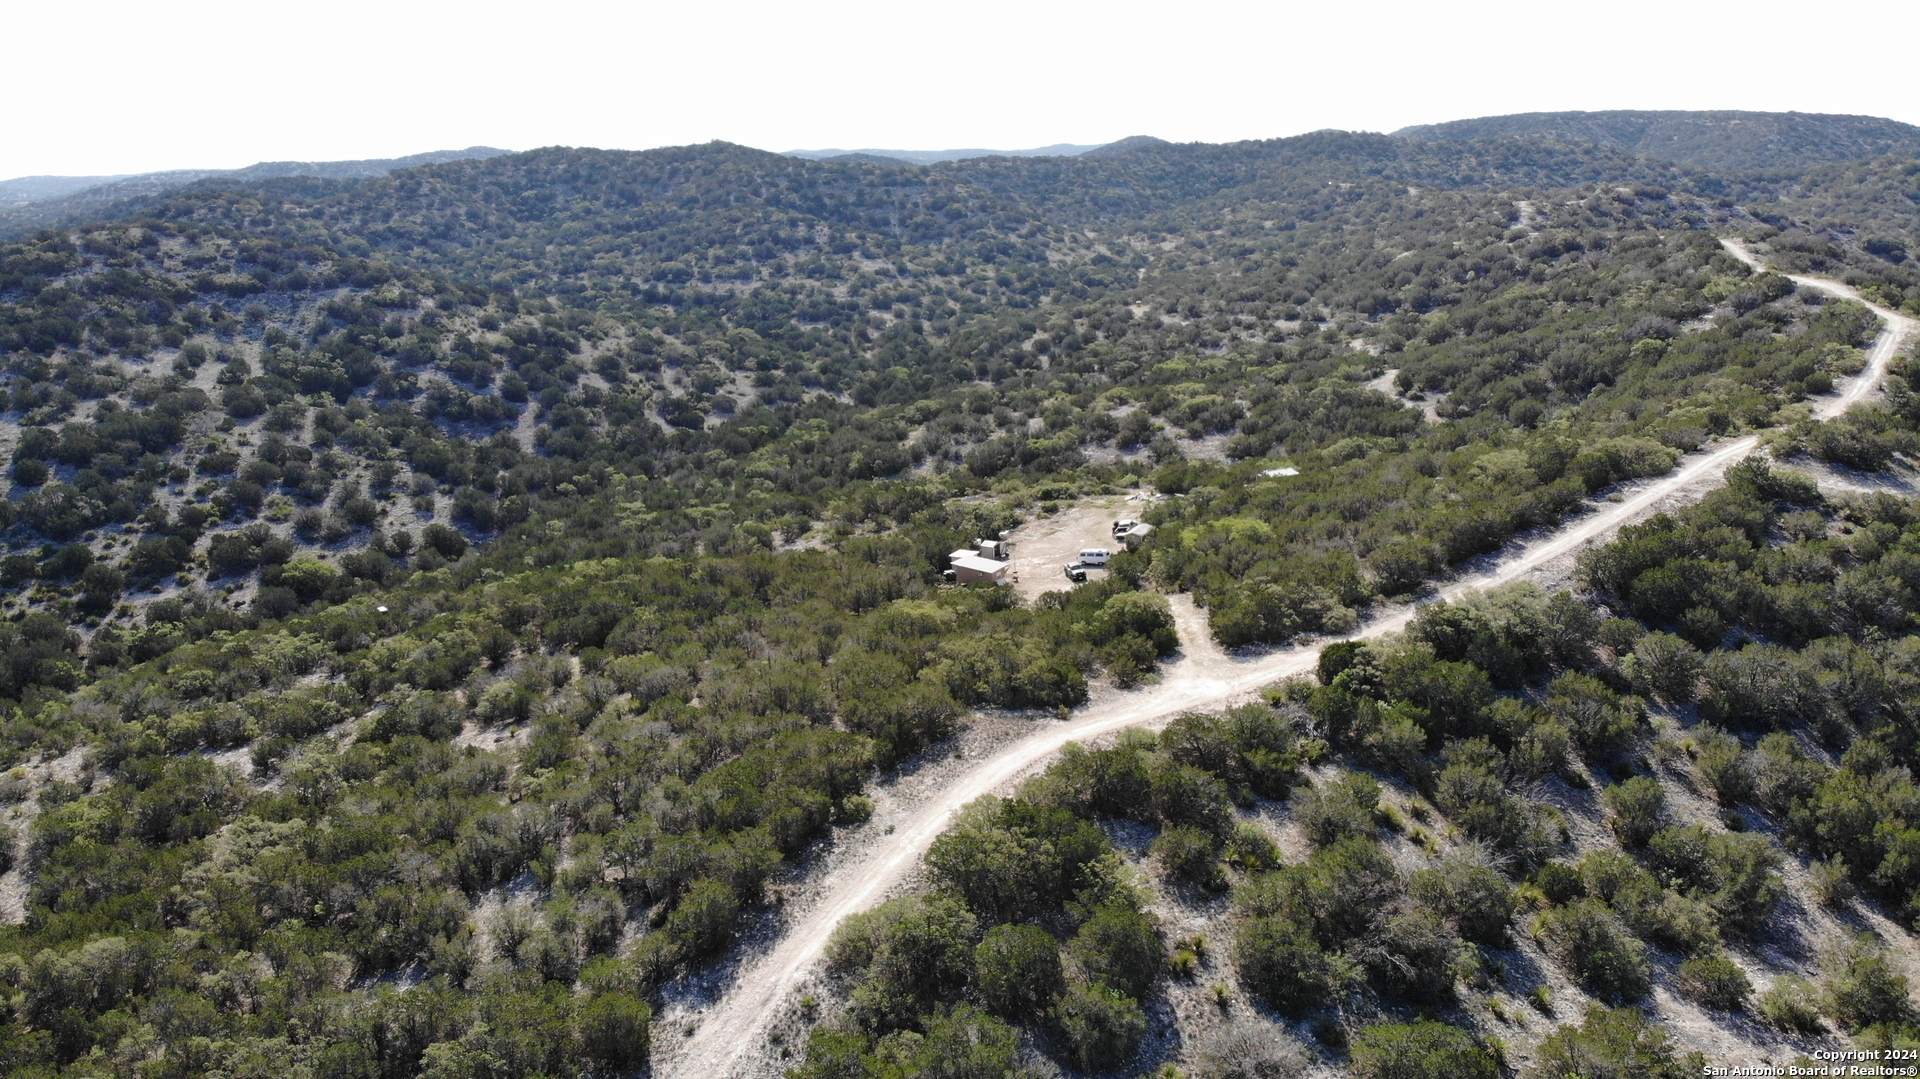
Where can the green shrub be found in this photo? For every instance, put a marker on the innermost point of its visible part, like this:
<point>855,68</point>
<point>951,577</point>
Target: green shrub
<point>1619,634</point>
<point>1601,720</point>
<point>1560,883</point>
<point>1100,1028</point>
<point>1411,954</point>
<point>1419,1051</point>
<point>1542,748</point>
<point>1119,946</point>
<point>1610,1043</point>
<point>832,1054</point>
<point>1791,1004</point>
<point>1474,790</point>
<point>1674,921</point>
<point>1397,743</point>
<point>1017,971</point>
<point>1342,809</point>
<point>1831,882</point>
<point>1250,849</point>
<point>910,954</point>
<point>1731,872</point>
<point>1664,666</point>
<point>960,1042</point>
<point>1280,962</point>
<point>613,1031</point>
<point>704,918</point>
<point>1112,782</point>
<point>1762,686</point>
<point>1635,809</point>
<point>1475,898</point>
<point>1011,859</point>
<point>1724,764</point>
<point>1859,986</point>
<point>1188,855</point>
<point>1603,956</point>
<point>1342,893</point>
<point>1189,796</point>
<point>1714,981</point>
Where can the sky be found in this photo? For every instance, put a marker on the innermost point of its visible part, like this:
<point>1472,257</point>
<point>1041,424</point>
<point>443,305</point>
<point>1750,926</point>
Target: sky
<point>114,87</point>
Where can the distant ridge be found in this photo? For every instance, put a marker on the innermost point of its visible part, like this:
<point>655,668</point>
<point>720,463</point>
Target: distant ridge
<point>930,157</point>
<point>25,189</point>
<point>1717,139</point>
<point>31,202</point>
<point>869,159</point>
<point>1127,145</point>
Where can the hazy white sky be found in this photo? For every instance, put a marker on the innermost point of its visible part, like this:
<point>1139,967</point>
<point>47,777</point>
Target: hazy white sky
<point>113,87</point>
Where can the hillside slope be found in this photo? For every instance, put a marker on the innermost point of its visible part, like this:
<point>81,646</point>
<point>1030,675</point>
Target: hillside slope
<point>929,157</point>
<point>35,202</point>
<point>1710,139</point>
<point>451,611</point>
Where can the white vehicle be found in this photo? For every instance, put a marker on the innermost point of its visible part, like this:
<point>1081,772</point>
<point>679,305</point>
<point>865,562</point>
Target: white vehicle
<point>1095,556</point>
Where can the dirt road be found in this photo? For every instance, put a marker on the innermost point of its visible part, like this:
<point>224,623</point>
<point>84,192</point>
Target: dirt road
<point>730,1035</point>
<point>1895,328</point>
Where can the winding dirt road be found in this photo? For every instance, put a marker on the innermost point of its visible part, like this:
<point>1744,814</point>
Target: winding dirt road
<point>1895,328</point>
<point>1201,677</point>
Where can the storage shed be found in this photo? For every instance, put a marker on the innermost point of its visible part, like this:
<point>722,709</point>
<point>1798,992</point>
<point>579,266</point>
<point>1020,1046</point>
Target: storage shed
<point>970,568</point>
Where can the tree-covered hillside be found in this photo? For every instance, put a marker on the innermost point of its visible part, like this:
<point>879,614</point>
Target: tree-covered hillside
<point>443,604</point>
<point>1765,141</point>
<point>32,203</point>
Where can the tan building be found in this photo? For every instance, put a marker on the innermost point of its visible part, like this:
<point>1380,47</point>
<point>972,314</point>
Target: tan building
<point>970,568</point>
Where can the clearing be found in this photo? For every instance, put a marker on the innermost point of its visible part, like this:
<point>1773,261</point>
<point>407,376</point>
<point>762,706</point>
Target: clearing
<point>1041,548</point>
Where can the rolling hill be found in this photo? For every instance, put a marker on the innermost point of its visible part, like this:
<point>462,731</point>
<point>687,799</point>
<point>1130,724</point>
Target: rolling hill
<point>1709,139</point>
<point>33,202</point>
<point>456,614</point>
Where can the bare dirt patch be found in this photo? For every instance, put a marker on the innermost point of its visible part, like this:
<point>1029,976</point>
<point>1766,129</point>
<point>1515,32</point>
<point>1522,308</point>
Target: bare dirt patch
<point>1429,406</point>
<point>1899,478</point>
<point>1041,548</point>
<point>14,882</point>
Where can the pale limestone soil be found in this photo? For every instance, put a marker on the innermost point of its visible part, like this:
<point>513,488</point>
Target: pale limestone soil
<point>1429,408</point>
<point>67,768</point>
<point>1040,549</point>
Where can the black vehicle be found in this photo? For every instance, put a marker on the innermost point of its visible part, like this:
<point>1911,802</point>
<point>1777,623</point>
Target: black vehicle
<point>1076,573</point>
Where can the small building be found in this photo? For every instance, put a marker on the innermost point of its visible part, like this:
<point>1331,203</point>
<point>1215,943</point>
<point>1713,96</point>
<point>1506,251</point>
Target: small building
<point>1134,534</point>
<point>970,568</point>
<point>992,548</point>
